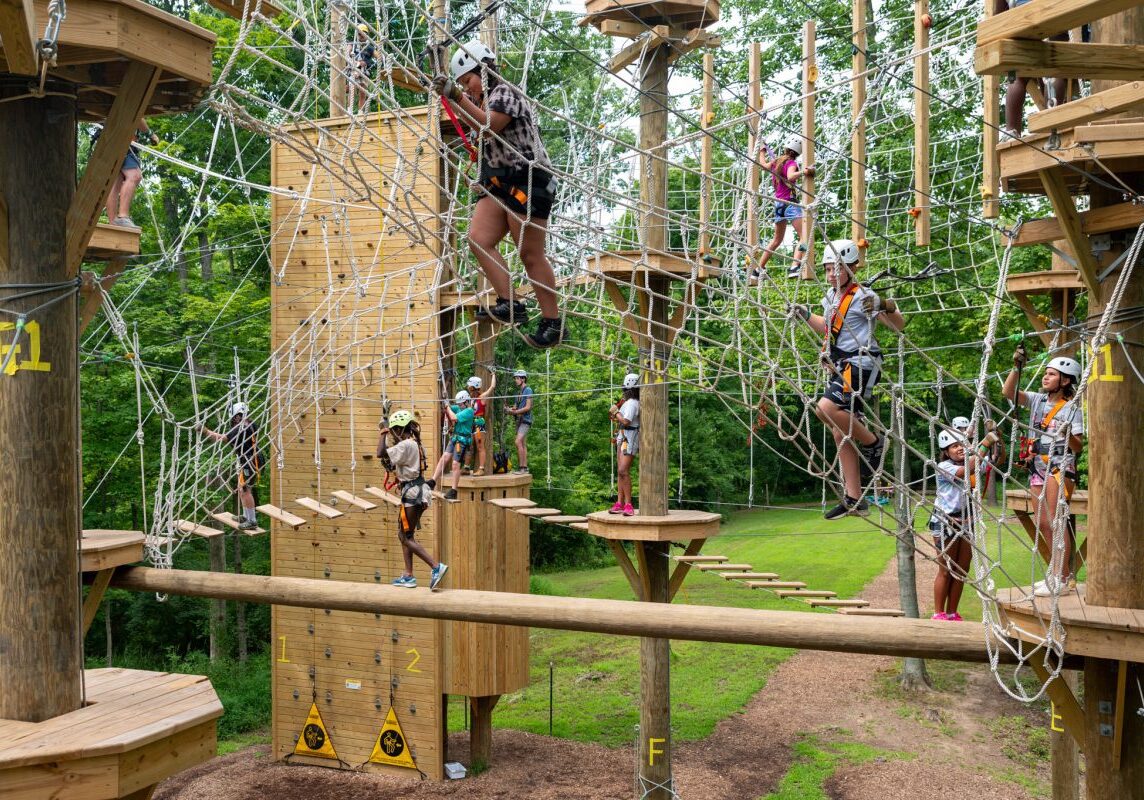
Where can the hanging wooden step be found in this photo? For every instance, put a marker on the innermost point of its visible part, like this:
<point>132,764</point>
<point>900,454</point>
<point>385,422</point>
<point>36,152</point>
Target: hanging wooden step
<point>185,526</point>
<point>283,516</point>
<point>806,593</point>
<point>565,519</point>
<point>701,559</point>
<point>538,512</point>
<point>838,603</point>
<point>513,503</point>
<point>727,567</point>
<point>354,500</point>
<point>872,612</point>
<point>329,512</point>
<point>157,542</point>
<point>776,584</point>
<point>749,576</point>
<point>382,495</point>
<point>580,526</point>
<point>231,521</point>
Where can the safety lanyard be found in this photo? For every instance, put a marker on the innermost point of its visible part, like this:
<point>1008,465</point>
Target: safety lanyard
<point>460,131</point>
<point>839,316</point>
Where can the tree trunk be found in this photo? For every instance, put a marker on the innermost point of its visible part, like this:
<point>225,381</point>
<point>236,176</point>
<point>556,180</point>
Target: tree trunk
<point>914,676</point>
<point>206,257</point>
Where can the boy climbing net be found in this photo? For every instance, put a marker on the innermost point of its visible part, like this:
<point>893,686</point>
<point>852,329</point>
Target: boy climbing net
<point>243,437</point>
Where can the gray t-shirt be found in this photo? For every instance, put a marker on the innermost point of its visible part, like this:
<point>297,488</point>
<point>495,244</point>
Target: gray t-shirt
<point>630,410</point>
<point>518,144</point>
<point>857,333</point>
<point>521,401</point>
<point>406,458</point>
<point>950,488</point>
<point>1053,440</point>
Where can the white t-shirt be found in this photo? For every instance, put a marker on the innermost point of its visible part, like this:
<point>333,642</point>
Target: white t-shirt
<point>630,411</point>
<point>406,458</point>
<point>950,488</point>
<point>857,334</point>
<point>1067,422</point>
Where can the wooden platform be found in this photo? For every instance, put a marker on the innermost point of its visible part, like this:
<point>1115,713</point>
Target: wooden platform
<point>112,241</point>
<point>675,526</point>
<point>679,12</point>
<point>137,729</point>
<point>1118,145</point>
<point>626,265</point>
<point>1019,501</point>
<point>1044,282</point>
<point>1100,631</point>
<point>503,481</point>
<point>104,549</point>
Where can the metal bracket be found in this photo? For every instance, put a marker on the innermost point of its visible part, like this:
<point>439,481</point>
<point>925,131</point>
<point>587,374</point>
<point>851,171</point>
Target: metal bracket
<point>1111,268</point>
<point>1067,257</point>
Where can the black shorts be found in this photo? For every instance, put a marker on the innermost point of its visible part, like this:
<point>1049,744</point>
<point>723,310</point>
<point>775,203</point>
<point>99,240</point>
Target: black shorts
<point>946,530</point>
<point>850,386</point>
<point>534,201</point>
<point>247,474</point>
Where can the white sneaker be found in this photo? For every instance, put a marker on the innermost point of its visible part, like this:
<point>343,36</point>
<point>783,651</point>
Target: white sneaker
<point>1049,587</point>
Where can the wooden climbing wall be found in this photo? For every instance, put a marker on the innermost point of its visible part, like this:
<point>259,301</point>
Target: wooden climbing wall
<point>354,320</point>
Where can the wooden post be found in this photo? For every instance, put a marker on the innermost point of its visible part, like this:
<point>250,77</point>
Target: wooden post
<point>338,61</point>
<point>754,170</point>
<point>1065,755</point>
<point>1114,767</point>
<point>991,170</point>
<point>486,348</point>
<point>705,157</point>
<point>858,115</point>
<point>39,419</point>
<point>914,674</point>
<point>655,682</point>
<point>809,82</point>
<point>481,731</point>
<point>216,547</point>
<point>921,123</point>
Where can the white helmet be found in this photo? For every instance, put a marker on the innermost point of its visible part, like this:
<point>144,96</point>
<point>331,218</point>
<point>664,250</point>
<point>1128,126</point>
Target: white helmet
<point>469,57</point>
<point>843,250</point>
<point>520,373</point>
<point>462,397</point>
<point>960,424</point>
<point>474,383</point>
<point>1066,366</point>
<point>946,438</point>
<point>795,146</point>
<point>239,410</point>
<point>631,380</point>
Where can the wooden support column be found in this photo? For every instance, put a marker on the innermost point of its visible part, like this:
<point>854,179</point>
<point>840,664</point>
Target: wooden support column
<point>17,33</point>
<point>481,731</point>
<point>1114,765</point>
<point>991,167</point>
<point>756,149</point>
<point>1065,752</point>
<point>655,683</point>
<point>39,421</point>
<point>339,58</point>
<point>858,118</point>
<point>921,123</point>
<point>706,163</point>
<point>809,83</point>
<point>486,348</point>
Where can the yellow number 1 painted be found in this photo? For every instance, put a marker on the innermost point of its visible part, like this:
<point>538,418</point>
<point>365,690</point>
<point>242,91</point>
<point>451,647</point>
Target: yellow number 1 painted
<point>283,659</point>
<point>1107,374</point>
<point>32,364</point>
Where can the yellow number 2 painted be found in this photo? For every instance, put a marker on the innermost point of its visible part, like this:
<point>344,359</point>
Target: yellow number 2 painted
<point>652,750</point>
<point>32,364</point>
<point>1107,374</point>
<point>416,657</point>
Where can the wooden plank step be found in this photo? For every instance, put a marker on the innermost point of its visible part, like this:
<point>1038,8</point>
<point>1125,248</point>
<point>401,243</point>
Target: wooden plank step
<point>231,521</point>
<point>513,502</point>
<point>382,495</point>
<point>441,496</point>
<point>565,519</point>
<point>157,541</point>
<point>806,593</point>
<point>283,516</point>
<point>326,511</point>
<point>749,576</point>
<point>872,612</point>
<point>728,567</point>
<point>580,526</point>
<point>185,526</point>
<point>776,584</point>
<point>701,559</point>
<point>838,603</point>
<point>353,500</point>
<point>538,512</point>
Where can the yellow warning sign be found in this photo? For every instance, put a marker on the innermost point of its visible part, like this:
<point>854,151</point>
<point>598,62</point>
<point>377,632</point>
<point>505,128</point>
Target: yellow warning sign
<point>391,747</point>
<point>314,739</point>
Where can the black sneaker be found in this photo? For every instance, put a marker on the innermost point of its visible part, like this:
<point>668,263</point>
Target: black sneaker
<point>510,313</point>
<point>794,270</point>
<point>432,484</point>
<point>451,494</point>
<point>247,525</point>
<point>549,333</point>
<point>870,459</point>
<point>848,506</point>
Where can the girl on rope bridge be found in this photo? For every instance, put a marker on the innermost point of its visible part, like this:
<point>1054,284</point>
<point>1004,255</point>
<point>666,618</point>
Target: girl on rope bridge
<point>480,405</point>
<point>785,174</point>
<point>626,415</point>
<point>516,187</point>
<point>463,417</point>
<point>851,354</point>
<point>242,436</point>
<point>948,523</point>
<point>1050,454</point>
<point>399,447</point>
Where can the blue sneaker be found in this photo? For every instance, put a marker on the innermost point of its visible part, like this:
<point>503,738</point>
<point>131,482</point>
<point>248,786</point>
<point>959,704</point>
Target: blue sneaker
<point>405,582</point>
<point>437,574</point>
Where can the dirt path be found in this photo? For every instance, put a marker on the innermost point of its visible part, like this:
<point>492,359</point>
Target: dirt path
<point>838,717</point>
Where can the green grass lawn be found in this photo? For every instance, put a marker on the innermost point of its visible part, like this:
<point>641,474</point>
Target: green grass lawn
<point>596,677</point>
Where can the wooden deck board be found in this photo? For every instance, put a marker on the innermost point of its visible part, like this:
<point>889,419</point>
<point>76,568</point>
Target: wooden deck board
<point>513,502</point>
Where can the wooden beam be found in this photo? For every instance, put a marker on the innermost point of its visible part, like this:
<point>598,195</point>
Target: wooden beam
<point>991,161</point>
<point>235,9</point>
<point>1040,19</point>
<point>693,40</point>
<point>624,28</point>
<point>809,93</point>
<point>1065,209</point>
<point>1064,702</point>
<point>3,234</point>
<point>1088,109</point>
<point>858,16</point>
<point>797,629</point>
<point>921,124</point>
<point>683,567</point>
<point>654,38</point>
<point>1034,317</point>
<point>1118,714</point>
<point>1121,216</point>
<point>754,146</point>
<point>706,156</point>
<point>95,596</point>
<point>1109,133</point>
<point>17,34</point>
<point>1060,59</point>
<point>107,158</point>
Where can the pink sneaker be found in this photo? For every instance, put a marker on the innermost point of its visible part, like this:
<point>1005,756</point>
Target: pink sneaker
<point>618,508</point>
<point>954,617</point>
<point>629,511</point>
<point>940,615</point>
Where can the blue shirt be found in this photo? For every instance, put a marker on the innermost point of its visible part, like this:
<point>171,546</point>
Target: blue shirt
<point>463,427</point>
<point>521,401</point>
